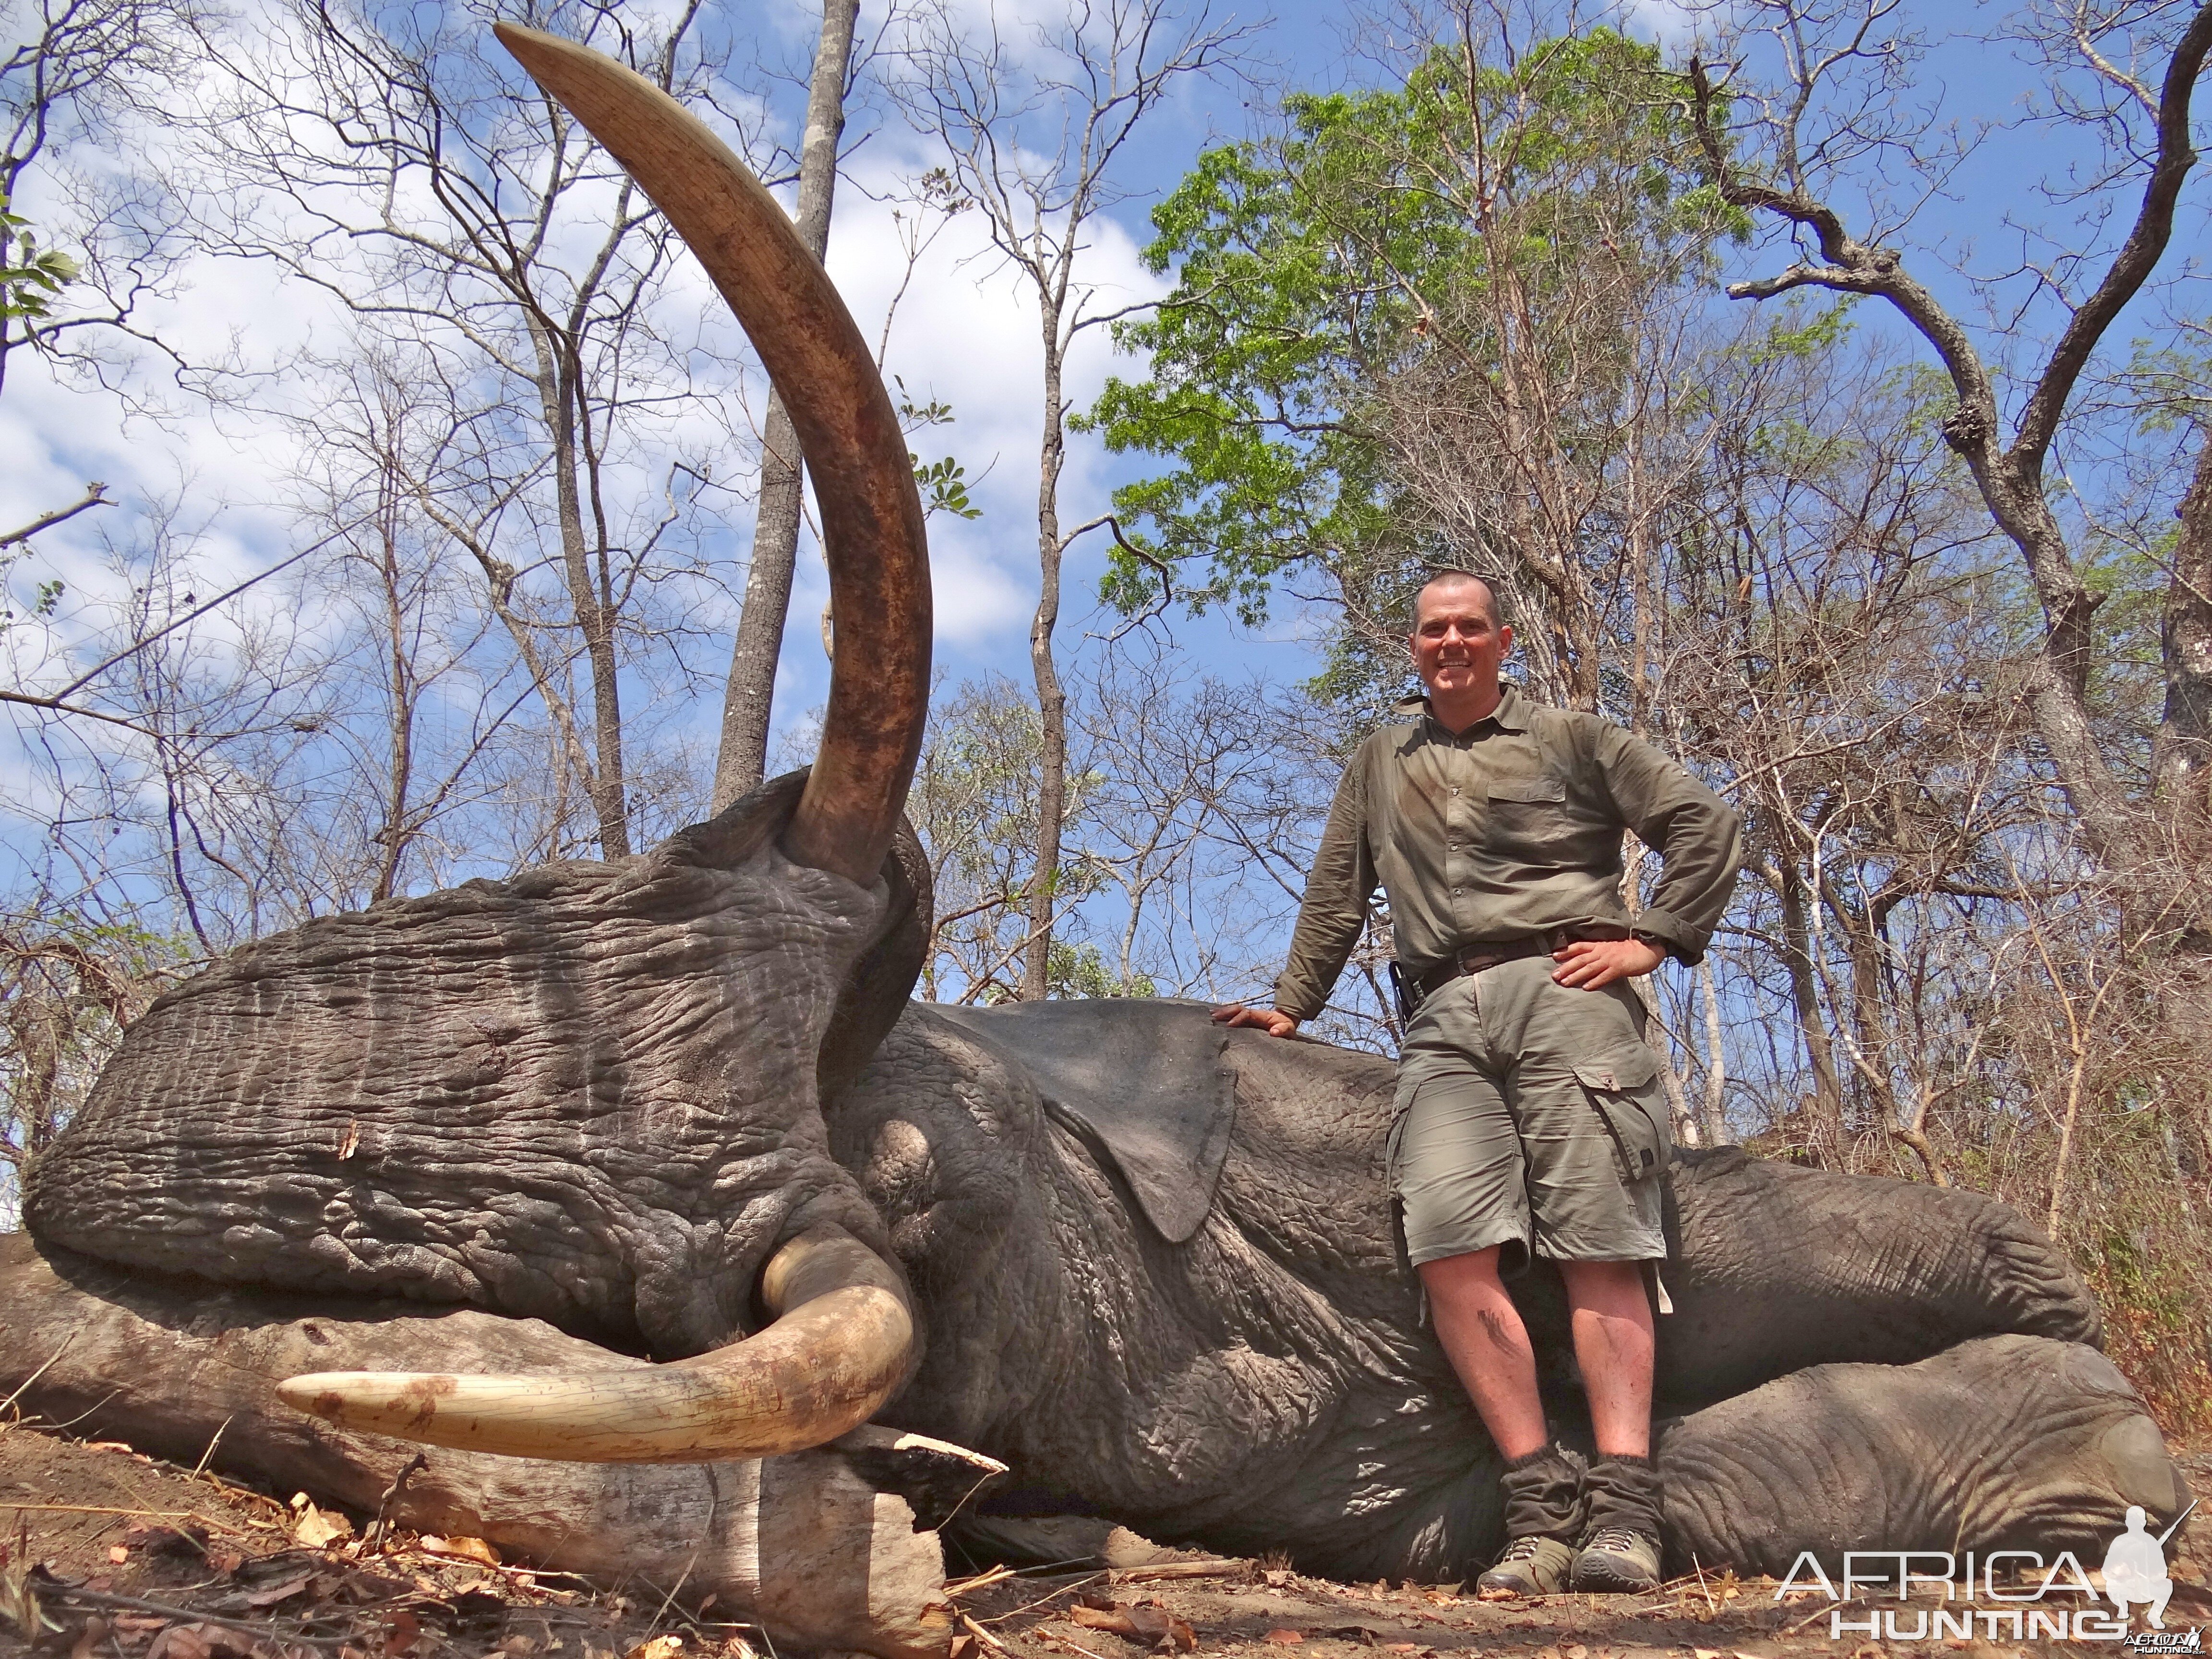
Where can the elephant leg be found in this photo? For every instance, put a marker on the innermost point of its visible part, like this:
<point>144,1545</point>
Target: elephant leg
<point>821,1547</point>
<point>2008,1442</point>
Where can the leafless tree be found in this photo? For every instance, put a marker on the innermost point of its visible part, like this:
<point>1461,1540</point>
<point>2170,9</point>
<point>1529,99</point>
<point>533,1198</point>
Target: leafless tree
<point>74,74</point>
<point>1534,419</point>
<point>1786,153</point>
<point>458,214</point>
<point>1035,117</point>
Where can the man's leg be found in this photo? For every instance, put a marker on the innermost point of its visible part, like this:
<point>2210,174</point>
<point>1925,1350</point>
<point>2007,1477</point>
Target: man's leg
<point>1457,1171</point>
<point>1612,1319</point>
<point>1593,1121</point>
<point>1488,1345</point>
<point>1613,1346</point>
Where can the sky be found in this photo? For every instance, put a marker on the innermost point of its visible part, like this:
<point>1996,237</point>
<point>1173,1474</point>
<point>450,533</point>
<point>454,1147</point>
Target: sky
<point>964,333</point>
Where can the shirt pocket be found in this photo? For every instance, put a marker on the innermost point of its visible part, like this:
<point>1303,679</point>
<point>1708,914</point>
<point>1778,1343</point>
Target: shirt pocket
<point>1624,1089</point>
<point>1530,824</point>
<point>1530,791</point>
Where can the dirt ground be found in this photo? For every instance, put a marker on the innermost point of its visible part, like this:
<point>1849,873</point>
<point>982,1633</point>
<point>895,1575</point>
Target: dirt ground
<point>113,1555</point>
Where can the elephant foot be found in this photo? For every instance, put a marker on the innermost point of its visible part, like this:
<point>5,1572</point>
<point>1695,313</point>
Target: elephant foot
<point>2006,1441</point>
<point>828,1548</point>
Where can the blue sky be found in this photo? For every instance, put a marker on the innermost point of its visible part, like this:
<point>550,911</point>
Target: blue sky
<point>966,334</point>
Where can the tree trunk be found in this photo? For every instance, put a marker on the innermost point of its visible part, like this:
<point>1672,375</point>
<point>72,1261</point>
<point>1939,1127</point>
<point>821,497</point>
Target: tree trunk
<point>2057,689</point>
<point>1804,996</point>
<point>559,393</point>
<point>395,833</point>
<point>1052,701</point>
<point>2184,750</point>
<point>750,698</point>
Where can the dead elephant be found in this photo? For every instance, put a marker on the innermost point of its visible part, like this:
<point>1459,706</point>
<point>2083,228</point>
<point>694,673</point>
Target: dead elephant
<point>651,1163</point>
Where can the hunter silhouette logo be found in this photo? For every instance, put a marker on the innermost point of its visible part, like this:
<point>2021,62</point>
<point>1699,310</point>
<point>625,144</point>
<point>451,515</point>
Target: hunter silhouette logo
<point>2134,1568</point>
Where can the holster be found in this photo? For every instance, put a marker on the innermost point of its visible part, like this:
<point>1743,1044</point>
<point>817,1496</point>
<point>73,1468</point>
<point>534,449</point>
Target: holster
<point>1407,994</point>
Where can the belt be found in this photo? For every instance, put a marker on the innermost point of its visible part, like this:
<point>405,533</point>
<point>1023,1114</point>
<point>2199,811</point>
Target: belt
<point>1489,954</point>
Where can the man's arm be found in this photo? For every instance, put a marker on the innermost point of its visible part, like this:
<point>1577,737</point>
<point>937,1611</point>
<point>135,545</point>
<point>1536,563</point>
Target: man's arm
<point>1330,919</point>
<point>1696,835</point>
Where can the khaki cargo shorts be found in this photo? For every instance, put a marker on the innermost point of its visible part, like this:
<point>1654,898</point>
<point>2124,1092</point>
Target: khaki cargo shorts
<point>1529,1114</point>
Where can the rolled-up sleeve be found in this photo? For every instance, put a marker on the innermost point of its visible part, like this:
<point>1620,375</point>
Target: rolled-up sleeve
<point>1696,835</point>
<point>1335,908</point>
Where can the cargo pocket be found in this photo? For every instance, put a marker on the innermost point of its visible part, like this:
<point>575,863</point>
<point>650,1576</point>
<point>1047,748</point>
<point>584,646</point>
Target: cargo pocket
<point>1398,1247</point>
<point>1624,1087</point>
<point>1392,1143</point>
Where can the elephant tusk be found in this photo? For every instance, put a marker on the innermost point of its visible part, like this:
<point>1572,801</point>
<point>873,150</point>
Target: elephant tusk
<point>871,518</point>
<point>841,1345</point>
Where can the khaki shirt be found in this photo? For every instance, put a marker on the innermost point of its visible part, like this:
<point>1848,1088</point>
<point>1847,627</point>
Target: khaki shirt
<point>1509,830</point>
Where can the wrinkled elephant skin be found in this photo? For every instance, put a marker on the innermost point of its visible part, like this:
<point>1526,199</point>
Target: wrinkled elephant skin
<point>1268,1384</point>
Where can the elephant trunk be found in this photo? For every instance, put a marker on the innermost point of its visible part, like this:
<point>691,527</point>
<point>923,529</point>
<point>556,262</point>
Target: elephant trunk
<point>842,1343</point>
<point>872,517</point>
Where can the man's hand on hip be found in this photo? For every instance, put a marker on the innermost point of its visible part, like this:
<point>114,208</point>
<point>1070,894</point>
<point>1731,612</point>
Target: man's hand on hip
<point>1588,963</point>
<point>1272,1021</point>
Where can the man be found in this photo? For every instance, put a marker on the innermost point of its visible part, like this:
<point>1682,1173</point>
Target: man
<point>1528,1112</point>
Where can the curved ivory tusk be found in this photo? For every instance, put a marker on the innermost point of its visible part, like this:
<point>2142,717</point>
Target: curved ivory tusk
<point>840,1346</point>
<point>872,517</point>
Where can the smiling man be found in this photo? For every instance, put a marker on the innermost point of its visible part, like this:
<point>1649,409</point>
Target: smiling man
<point>1529,1115</point>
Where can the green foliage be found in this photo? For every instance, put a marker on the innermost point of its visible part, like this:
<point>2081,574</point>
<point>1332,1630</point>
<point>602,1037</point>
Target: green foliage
<point>1080,971</point>
<point>30,281</point>
<point>67,986</point>
<point>1352,248</point>
<point>944,487</point>
<point>944,482</point>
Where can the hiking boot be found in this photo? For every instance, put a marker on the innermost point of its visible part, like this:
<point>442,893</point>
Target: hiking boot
<point>1621,1548</point>
<point>1616,1560</point>
<point>1530,1566</point>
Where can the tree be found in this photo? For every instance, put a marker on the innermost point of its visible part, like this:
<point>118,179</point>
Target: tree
<point>1189,831</point>
<point>71,68</point>
<point>749,698</point>
<point>1438,324</point>
<point>1786,154</point>
<point>469,226</point>
<point>1034,129</point>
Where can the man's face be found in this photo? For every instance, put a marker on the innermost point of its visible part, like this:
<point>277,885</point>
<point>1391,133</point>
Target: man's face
<point>1456,647</point>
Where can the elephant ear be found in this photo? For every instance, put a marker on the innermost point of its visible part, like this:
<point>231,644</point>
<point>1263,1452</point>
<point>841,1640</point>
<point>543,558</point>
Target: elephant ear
<point>1144,1083</point>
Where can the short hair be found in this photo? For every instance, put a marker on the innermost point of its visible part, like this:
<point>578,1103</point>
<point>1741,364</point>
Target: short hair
<point>1490,588</point>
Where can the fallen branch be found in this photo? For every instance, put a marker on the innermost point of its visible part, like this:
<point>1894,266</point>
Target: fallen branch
<point>969,1586</point>
<point>984,1636</point>
<point>1219,1568</point>
<point>1065,1589</point>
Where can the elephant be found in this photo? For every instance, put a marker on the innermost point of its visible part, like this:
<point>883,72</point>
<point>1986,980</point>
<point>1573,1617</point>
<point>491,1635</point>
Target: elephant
<point>656,1161</point>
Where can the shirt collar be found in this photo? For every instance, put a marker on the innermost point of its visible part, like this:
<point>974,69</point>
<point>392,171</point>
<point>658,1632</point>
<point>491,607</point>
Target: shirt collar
<point>1511,713</point>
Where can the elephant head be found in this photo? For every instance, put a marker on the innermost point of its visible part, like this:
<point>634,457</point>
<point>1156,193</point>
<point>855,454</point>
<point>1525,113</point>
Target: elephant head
<point>589,1094</point>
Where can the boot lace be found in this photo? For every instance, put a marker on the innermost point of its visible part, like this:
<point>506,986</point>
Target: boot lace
<point>1520,1549</point>
<point>1617,1540</point>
